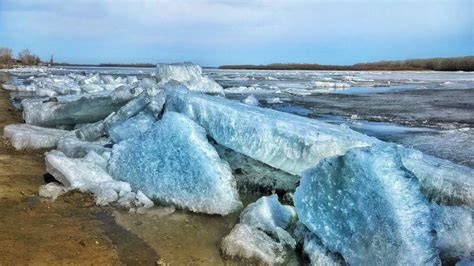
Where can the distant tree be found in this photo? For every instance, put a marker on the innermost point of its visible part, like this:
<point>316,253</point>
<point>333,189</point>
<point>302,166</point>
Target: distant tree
<point>27,58</point>
<point>5,56</point>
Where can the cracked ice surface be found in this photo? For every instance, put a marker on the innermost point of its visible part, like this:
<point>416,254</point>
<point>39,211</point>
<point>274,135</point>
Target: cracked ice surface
<point>174,163</point>
<point>368,207</point>
<point>288,142</point>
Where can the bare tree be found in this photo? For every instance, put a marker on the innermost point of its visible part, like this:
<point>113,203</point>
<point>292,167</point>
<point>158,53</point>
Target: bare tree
<point>5,56</point>
<point>27,58</point>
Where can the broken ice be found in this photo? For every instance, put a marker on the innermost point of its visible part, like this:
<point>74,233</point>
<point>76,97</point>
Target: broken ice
<point>368,207</point>
<point>174,163</point>
<point>288,142</point>
<point>23,136</point>
<point>190,75</point>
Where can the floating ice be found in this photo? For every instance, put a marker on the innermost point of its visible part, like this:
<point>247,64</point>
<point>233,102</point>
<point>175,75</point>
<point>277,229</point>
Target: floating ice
<point>174,163</point>
<point>132,127</point>
<point>268,215</point>
<point>254,246</point>
<point>251,100</point>
<point>69,110</point>
<point>23,136</point>
<point>368,207</point>
<point>274,100</point>
<point>326,84</point>
<point>455,232</point>
<point>190,75</point>
<point>288,142</point>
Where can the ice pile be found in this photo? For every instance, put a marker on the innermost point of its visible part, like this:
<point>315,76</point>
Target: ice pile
<point>288,142</point>
<point>260,237</point>
<point>190,75</point>
<point>174,163</point>
<point>369,206</point>
<point>359,200</point>
<point>55,85</point>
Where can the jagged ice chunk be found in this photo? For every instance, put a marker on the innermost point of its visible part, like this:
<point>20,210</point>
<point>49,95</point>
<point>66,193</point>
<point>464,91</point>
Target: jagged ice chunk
<point>174,163</point>
<point>368,207</point>
<point>288,142</point>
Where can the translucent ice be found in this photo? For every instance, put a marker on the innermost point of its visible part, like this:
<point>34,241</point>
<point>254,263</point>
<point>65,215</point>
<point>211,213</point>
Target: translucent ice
<point>86,174</point>
<point>252,245</point>
<point>174,163</point>
<point>312,246</point>
<point>190,75</point>
<point>130,109</point>
<point>73,147</point>
<point>91,131</point>
<point>288,142</point>
<point>132,127</point>
<point>268,215</point>
<point>455,232</point>
<point>69,110</point>
<point>23,136</point>
<point>442,181</point>
<point>368,207</point>
<point>253,176</point>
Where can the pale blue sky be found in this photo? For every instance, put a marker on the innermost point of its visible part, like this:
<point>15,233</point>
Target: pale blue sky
<point>236,32</point>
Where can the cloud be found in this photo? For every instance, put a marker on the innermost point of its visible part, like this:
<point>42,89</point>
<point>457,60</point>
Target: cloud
<point>243,26</point>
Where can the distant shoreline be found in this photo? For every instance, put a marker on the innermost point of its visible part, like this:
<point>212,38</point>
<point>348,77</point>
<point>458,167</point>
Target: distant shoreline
<point>465,63</point>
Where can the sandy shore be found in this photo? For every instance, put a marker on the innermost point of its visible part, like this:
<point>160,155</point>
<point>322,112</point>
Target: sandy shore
<point>70,230</point>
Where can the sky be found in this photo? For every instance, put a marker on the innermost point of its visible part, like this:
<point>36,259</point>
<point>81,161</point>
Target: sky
<point>213,32</point>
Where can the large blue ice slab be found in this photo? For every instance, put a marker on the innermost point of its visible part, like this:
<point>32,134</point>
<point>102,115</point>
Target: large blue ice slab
<point>285,141</point>
<point>174,163</point>
<point>368,207</point>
